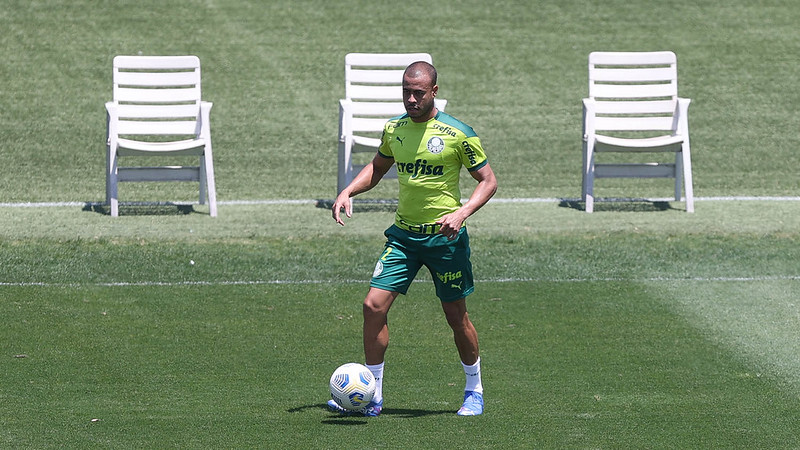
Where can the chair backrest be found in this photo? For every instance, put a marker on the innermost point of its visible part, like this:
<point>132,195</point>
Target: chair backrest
<point>157,95</point>
<point>368,117</point>
<point>634,91</point>
<point>377,76</point>
<point>373,89</point>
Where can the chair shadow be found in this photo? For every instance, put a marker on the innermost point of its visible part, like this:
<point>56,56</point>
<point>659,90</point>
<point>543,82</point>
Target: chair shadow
<point>336,419</point>
<point>633,205</point>
<point>145,209</point>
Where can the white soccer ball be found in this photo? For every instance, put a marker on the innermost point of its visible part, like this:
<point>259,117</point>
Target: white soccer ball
<point>352,386</point>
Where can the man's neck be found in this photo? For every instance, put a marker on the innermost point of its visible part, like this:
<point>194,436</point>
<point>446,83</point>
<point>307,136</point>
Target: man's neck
<point>433,114</point>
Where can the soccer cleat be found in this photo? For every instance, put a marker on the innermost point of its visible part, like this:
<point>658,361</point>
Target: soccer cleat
<point>473,404</point>
<point>371,410</point>
<point>334,407</point>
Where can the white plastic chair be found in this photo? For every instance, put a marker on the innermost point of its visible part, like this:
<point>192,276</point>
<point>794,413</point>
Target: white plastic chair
<point>633,107</point>
<point>373,94</point>
<point>157,110</point>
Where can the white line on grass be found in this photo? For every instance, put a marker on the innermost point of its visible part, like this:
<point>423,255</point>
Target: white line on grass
<point>494,200</point>
<point>351,281</point>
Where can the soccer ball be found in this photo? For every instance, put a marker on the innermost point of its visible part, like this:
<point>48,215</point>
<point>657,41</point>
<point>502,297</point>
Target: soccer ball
<point>352,386</point>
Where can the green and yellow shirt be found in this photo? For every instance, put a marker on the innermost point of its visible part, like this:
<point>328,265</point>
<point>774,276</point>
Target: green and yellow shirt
<point>429,157</point>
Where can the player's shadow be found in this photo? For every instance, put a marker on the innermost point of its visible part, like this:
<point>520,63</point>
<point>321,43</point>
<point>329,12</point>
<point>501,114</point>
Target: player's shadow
<point>414,413</point>
<point>336,419</point>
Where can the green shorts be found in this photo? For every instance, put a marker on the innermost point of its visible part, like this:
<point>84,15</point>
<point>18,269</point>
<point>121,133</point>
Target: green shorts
<point>406,252</point>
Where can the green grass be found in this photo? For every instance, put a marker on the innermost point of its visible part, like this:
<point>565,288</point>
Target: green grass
<point>616,329</point>
<point>514,70</point>
<point>585,364</point>
<point>636,326</point>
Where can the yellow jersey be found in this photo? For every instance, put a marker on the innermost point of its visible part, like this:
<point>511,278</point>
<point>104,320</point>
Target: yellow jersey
<point>428,157</point>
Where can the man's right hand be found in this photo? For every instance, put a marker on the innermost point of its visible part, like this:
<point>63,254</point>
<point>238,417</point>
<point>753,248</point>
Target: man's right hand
<point>342,201</point>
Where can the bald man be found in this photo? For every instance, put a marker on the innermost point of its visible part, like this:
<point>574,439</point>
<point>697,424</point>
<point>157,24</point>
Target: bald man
<point>428,147</point>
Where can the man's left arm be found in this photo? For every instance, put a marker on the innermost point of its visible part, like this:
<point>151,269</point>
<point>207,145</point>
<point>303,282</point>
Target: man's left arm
<point>487,186</point>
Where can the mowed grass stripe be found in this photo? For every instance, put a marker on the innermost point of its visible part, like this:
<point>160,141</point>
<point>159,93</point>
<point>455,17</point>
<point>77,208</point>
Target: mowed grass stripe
<point>615,365</point>
<point>758,320</point>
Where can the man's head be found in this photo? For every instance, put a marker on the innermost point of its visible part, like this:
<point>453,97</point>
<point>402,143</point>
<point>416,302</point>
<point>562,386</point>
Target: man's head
<point>419,90</point>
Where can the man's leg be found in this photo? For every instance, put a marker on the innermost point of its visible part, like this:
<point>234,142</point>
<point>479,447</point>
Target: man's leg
<point>466,339</point>
<point>464,332</point>
<point>376,340</point>
<point>376,328</point>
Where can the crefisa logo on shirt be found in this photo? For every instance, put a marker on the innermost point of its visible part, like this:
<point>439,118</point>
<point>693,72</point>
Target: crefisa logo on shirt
<point>470,153</point>
<point>435,145</point>
<point>420,167</point>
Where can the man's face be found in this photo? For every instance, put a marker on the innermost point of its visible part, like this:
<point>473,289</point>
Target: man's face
<point>418,95</point>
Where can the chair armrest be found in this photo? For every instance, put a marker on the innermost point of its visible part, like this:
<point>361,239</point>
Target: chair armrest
<point>205,122</point>
<point>682,117</point>
<point>344,106</point>
<point>205,111</point>
<point>683,105</point>
<point>588,118</point>
<point>111,122</point>
<point>589,105</point>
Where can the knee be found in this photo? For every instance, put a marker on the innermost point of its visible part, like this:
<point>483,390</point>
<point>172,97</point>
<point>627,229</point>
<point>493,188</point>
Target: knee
<point>372,308</point>
<point>377,304</point>
<point>458,319</point>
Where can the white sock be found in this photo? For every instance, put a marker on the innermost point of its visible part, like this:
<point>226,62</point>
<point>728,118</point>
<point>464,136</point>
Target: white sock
<point>473,374</point>
<point>377,372</point>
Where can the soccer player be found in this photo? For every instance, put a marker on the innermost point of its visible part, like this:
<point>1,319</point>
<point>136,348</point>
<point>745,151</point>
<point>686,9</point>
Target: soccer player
<point>428,147</point>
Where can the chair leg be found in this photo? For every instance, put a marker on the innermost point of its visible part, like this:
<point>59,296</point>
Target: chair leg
<point>583,175</point>
<point>587,188</point>
<point>687,179</point>
<point>678,175</point>
<point>112,182</point>
<point>210,185</point>
<point>203,177</point>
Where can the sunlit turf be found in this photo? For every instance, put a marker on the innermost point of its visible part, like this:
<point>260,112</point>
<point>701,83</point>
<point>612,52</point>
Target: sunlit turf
<point>649,328</point>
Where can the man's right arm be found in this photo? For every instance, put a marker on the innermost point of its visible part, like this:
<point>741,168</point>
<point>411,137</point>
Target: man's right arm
<point>367,179</point>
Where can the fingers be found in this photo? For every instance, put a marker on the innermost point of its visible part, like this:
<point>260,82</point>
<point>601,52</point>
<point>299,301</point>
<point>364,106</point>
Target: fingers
<point>337,214</point>
<point>449,230</point>
<point>336,211</point>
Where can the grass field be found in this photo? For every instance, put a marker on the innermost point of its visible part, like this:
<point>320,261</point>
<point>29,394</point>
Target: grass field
<point>638,326</point>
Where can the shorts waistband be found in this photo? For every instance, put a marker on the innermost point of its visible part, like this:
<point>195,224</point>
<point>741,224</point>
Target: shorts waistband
<point>425,228</point>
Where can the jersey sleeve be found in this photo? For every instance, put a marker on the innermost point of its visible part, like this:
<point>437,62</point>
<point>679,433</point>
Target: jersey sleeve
<point>385,150</point>
<point>472,154</point>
